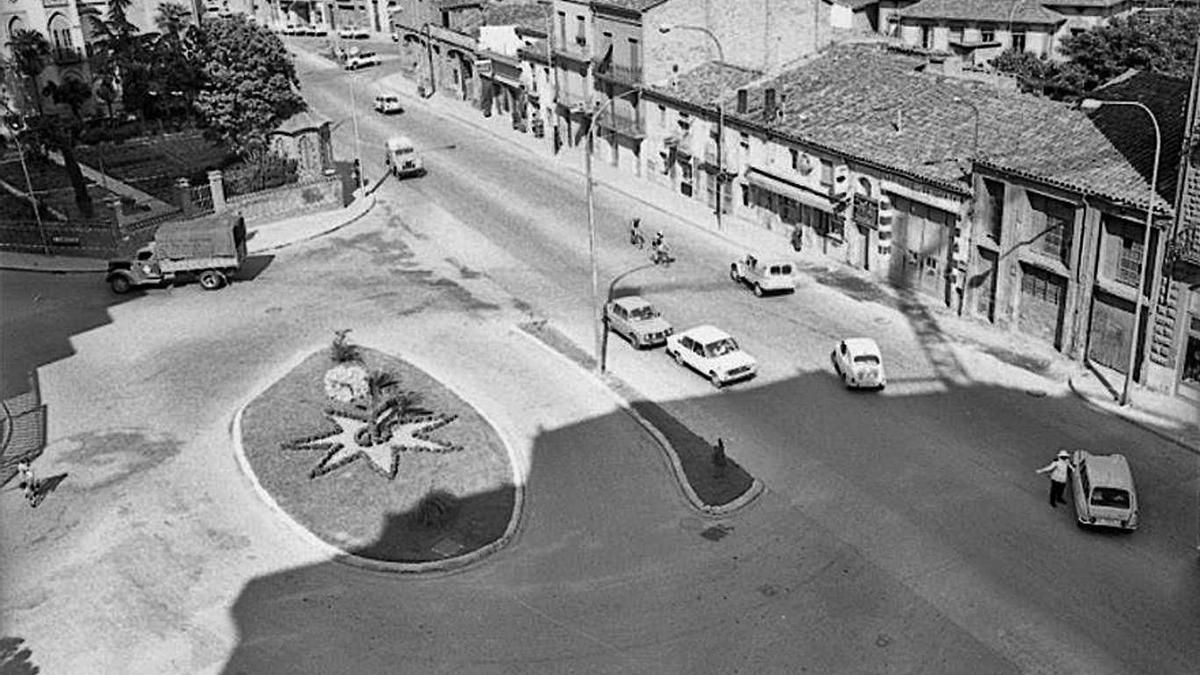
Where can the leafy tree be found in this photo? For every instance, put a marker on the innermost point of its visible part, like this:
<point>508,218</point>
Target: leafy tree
<point>250,84</point>
<point>177,77</point>
<point>71,93</point>
<point>1155,41</point>
<point>122,59</point>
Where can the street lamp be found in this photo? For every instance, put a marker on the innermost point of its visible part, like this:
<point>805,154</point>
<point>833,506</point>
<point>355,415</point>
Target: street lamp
<point>665,28</point>
<point>357,150</point>
<point>597,317</point>
<point>1090,105</point>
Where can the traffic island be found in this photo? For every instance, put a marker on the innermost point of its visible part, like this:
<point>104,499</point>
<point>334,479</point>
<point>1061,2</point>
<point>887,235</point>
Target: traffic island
<point>380,461</point>
<point>712,481</point>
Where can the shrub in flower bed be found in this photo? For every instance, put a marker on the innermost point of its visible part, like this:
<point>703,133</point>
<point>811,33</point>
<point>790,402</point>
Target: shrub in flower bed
<point>368,499</point>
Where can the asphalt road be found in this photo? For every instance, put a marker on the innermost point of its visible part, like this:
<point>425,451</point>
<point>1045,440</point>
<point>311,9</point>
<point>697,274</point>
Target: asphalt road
<point>933,481</point>
<point>902,532</point>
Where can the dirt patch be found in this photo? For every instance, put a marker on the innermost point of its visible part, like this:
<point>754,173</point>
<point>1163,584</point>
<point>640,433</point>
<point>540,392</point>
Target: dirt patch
<point>354,505</point>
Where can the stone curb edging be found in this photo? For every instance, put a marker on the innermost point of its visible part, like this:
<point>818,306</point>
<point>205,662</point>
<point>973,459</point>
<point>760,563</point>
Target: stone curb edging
<point>1131,420</point>
<point>368,203</point>
<point>668,450</point>
<point>341,556</point>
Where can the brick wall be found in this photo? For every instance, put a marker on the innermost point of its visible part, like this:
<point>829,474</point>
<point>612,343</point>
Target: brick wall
<point>290,200</point>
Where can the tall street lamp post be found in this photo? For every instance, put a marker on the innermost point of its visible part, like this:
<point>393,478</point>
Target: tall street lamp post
<point>1091,104</point>
<point>357,150</point>
<point>597,316</point>
<point>667,28</point>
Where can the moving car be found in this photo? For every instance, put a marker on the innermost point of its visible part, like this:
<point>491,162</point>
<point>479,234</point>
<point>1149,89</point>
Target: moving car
<point>388,104</point>
<point>361,60</point>
<point>713,353</point>
<point>402,158</point>
<point>637,320</point>
<point>1103,492</point>
<point>859,363</point>
<point>764,276</point>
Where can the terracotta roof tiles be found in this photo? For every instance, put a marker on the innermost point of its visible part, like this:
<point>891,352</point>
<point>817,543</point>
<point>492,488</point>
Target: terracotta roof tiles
<point>1003,11</point>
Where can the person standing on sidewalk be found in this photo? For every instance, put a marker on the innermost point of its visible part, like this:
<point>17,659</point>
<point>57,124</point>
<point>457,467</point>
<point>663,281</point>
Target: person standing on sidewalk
<point>28,482</point>
<point>1058,477</point>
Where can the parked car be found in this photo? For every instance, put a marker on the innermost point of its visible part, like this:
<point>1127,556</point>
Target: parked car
<point>859,363</point>
<point>402,157</point>
<point>289,29</point>
<point>388,104</point>
<point>1103,492</point>
<point>764,276</point>
<point>360,60</point>
<point>713,353</point>
<point>317,31</point>
<point>353,34</point>
<point>637,321</point>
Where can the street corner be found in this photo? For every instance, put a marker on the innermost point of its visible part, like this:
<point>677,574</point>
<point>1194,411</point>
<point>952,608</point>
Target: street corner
<point>378,463</point>
<point>1170,418</point>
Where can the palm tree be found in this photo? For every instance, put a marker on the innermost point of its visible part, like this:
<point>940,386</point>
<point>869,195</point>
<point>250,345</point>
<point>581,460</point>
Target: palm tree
<point>30,50</point>
<point>386,405</point>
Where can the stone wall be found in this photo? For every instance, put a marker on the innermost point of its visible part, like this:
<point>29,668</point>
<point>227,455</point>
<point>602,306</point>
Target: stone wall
<point>322,194</point>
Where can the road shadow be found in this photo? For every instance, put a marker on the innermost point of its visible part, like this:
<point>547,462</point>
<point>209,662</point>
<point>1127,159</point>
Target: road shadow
<point>254,265</point>
<point>605,516</point>
<point>48,485</point>
<point>16,658</point>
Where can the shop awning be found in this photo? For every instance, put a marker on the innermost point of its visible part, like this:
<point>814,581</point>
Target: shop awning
<point>786,188</point>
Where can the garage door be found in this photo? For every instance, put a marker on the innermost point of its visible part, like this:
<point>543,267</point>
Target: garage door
<point>1043,295</point>
<point>1111,331</point>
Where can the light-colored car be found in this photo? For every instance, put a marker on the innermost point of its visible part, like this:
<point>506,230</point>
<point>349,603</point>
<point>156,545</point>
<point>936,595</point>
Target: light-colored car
<point>353,34</point>
<point>388,104</point>
<point>317,31</point>
<point>637,321</point>
<point>764,276</point>
<point>713,353</point>
<point>1103,492</point>
<point>361,60</point>
<point>859,363</point>
<point>403,158</point>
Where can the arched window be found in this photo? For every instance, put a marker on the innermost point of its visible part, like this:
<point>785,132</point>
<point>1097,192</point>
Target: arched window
<point>14,26</point>
<point>60,33</point>
<point>864,187</point>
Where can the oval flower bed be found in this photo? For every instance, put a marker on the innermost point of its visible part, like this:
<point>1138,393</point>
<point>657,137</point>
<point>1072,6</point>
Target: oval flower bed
<point>441,486</point>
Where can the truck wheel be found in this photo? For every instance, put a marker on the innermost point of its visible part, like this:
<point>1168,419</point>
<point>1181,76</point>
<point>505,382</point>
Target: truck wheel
<point>733,274</point>
<point>120,285</point>
<point>716,381</point>
<point>211,280</point>
<point>758,291</point>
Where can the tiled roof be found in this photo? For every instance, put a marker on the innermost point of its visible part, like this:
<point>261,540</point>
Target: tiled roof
<point>1023,11</point>
<point>635,5</point>
<point>458,4</point>
<point>530,15</point>
<point>1082,3</point>
<point>873,104</point>
<point>706,82</point>
<point>1131,131</point>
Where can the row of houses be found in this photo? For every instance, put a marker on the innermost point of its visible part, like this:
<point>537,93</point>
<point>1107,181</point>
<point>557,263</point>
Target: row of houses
<point>1016,210</point>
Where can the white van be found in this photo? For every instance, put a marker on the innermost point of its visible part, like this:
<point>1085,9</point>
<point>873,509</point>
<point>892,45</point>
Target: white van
<point>388,104</point>
<point>402,158</point>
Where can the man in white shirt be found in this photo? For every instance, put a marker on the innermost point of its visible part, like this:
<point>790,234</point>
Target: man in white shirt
<point>1058,476</point>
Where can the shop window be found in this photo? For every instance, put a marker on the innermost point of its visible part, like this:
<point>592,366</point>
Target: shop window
<point>1129,261</point>
<point>795,157</point>
<point>1191,356</point>
<point>1051,221</point>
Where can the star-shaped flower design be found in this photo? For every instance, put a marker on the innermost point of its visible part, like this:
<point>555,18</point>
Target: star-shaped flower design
<point>343,447</point>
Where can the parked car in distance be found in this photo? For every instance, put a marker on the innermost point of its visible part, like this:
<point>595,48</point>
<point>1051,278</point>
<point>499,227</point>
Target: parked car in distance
<point>635,319</point>
<point>1103,492</point>
<point>859,363</point>
<point>764,276</point>
<point>353,34</point>
<point>388,104</point>
<point>713,353</point>
<point>361,60</point>
<point>403,158</point>
<point>317,31</point>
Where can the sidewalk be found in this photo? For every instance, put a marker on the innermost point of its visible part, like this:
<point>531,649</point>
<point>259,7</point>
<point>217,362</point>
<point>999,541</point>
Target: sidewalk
<point>262,238</point>
<point>1171,418</point>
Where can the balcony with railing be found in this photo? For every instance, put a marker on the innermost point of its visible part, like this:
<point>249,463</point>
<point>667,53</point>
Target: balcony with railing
<point>64,56</point>
<point>1187,246</point>
<point>616,72</point>
<point>627,125</point>
<point>574,48</point>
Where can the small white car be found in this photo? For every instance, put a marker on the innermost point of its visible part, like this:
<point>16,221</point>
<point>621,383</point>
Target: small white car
<point>317,31</point>
<point>402,157</point>
<point>637,320</point>
<point>713,353</point>
<point>361,60</point>
<point>859,363</point>
<point>388,104</point>
<point>764,276</point>
<point>1103,492</point>
<point>353,34</point>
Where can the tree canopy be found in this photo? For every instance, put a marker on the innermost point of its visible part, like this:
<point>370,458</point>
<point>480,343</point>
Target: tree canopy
<point>249,83</point>
<point>1159,41</point>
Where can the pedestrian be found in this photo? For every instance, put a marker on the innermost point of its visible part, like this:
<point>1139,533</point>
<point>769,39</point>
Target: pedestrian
<point>1058,476</point>
<point>28,482</point>
<point>719,459</point>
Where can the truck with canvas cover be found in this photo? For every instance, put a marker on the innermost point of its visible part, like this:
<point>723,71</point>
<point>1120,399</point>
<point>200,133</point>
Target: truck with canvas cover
<point>210,249</point>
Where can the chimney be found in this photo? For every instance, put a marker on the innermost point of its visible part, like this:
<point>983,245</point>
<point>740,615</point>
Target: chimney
<point>769,104</point>
<point>742,101</point>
